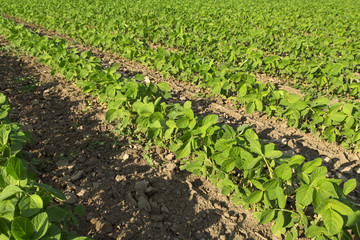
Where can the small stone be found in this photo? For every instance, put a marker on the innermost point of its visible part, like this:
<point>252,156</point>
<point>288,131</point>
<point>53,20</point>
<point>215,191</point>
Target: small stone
<point>125,157</point>
<point>66,178</point>
<point>144,204</point>
<point>147,79</point>
<point>77,175</point>
<point>170,166</point>
<point>140,187</point>
<point>226,214</point>
<point>341,176</point>
<point>169,157</point>
<point>130,199</point>
<point>326,159</point>
<point>92,215</point>
<point>82,192</point>
<point>222,237</point>
<point>70,198</point>
<point>96,184</point>
<point>107,227</point>
<point>150,191</point>
<point>284,141</point>
<point>120,178</point>
<point>157,218</point>
<point>164,209</point>
<point>50,150</point>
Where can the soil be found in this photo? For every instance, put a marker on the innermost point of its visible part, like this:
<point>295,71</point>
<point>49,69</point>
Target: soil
<point>124,196</point>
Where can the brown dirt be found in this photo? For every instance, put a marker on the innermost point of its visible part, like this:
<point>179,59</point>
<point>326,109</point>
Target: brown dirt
<point>72,136</point>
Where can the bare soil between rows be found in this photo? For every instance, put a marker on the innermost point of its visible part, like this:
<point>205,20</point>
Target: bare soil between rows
<point>125,197</point>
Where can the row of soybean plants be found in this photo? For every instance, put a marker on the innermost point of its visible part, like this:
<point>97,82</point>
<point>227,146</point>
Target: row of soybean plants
<point>296,195</point>
<point>28,209</point>
<point>313,42</point>
<point>107,26</point>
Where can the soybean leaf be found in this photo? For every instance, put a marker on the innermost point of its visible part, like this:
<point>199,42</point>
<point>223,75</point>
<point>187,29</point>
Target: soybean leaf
<point>184,150</point>
<point>314,231</point>
<point>41,225</point>
<point>349,186</point>
<point>79,210</point>
<point>304,195</point>
<point>310,166</point>
<point>4,134</point>
<point>30,205</point>
<point>296,161</point>
<point>332,221</point>
<point>278,228</point>
<point>254,197</point>
<point>9,191</point>
<point>283,171</point>
<point>56,214</point>
<point>53,233</point>
<point>4,229</point>
<point>267,216</point>
<point>210,119</point>
<point>22,228</point>
<point>15,168</point>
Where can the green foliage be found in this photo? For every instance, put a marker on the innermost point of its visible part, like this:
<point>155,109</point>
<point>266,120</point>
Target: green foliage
<point>312,43</point>
<point>293,193</point>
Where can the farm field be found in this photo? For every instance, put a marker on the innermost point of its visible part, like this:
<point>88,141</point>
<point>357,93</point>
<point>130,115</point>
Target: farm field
<point>260,109</point>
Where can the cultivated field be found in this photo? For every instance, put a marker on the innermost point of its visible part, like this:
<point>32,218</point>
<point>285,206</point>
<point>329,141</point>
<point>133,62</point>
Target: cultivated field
<point>179,120</point>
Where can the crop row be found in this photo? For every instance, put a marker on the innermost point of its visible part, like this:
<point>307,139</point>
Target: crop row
<point>293,193</point>
<point>27,208</point>
<point>338,122</point>
<point>312,42</point>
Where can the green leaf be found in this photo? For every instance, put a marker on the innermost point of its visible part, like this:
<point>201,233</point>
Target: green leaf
<point>56,214</point>
<point>304,195</point>
<point>267,216</point>
<point>255,146</point>
<point>79,210</point>
<point>332,221</point>
<point>22,229</point>
<point>273,154</point>
<point>254,197</point>
<point>283,171</point>
<point>53,233</point>
<point>56,193</point>
<point>210,120</point>
<point>4,229</point>
<point>4,134</point>
<point>310,166</point>
<point>15,168</point>
<point>182,122</point>
<point>348,108</point>
<point>340,207</point>
<point>272,183</point>
<point>164,86</point>
<point>30,205</point>
<point>250,107</point>
<point>349,186</point>
<point>296,161</point>
<point>278,228</point>
<point>9,191</point>
<point>41,225</point>
<point>338,116</point>
<point>314,231</point>
<point>184,150</point>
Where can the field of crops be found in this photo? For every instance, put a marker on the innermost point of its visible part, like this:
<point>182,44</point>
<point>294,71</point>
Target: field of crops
<point>283,61</point>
